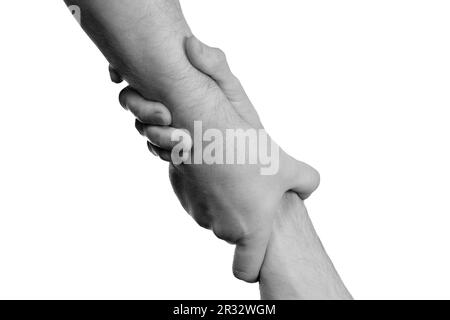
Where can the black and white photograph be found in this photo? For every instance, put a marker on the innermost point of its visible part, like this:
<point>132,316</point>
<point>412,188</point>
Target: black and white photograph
<point>210,150</point>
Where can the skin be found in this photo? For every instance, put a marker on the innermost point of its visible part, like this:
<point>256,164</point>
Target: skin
<point>296,265</point>
<point>145,41</point>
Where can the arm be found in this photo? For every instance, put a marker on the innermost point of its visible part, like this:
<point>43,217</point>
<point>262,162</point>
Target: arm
<point>144,40</point>
<point>296,264</point>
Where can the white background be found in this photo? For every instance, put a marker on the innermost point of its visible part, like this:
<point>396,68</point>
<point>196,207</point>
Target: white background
<point>359,89</point>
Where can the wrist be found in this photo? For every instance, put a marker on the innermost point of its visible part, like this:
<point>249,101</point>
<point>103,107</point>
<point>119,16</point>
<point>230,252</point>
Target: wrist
<point>296,265</point>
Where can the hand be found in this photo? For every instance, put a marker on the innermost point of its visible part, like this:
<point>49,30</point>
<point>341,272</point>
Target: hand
<point>236,202</point>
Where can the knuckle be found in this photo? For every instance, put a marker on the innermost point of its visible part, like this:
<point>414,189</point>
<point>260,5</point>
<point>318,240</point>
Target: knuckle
<point>230,235</point>
<point>244,276</point>
<point>201,214</point>
<point>315,179</point>
<point>205,224</point>
<point>223,235</point>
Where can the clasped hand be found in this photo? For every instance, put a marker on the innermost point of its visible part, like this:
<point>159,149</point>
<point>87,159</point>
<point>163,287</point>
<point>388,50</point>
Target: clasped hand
<point>236,201</point>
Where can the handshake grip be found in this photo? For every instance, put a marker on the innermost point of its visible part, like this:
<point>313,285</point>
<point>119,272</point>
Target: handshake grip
<point>184,81</point>
<point>238,202</point>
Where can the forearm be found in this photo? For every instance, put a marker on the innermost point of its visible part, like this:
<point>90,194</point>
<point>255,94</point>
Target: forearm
<point>296,264</point>
<point>144,41</point>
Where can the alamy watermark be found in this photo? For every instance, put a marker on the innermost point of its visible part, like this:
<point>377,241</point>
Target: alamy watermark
<point>230,146</point>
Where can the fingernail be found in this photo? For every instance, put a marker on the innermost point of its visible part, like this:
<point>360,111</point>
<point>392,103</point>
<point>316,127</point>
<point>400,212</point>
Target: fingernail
<point>139,127</point>
<point>150,147</point>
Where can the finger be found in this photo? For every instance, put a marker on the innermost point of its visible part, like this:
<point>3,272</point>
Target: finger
<point>165,138</point>
<point>153,149</point>
<point>148,112</point>
<point>157,151</point>
<point>213,62</point>
<point>249,257</point>
<point>115,76</point>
